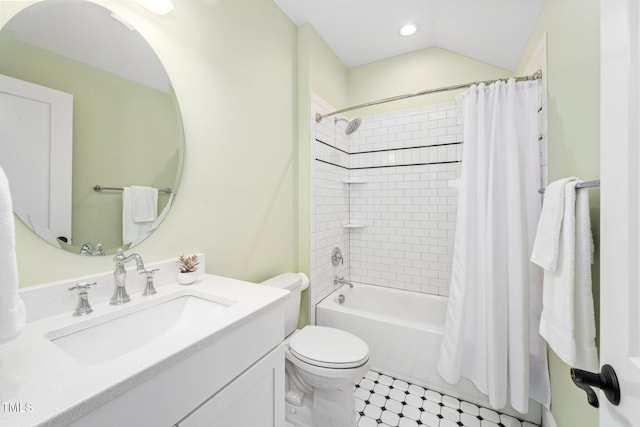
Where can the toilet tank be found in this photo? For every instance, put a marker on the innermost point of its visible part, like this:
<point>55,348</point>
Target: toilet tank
<point>295,283</point>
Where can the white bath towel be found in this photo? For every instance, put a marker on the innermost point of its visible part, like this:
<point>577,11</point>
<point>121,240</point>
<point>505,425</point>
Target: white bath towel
<point>567,322</point>
<point>585,321</point>
<point>12,310</point>
<point>132,230</point>
<point>546,244</point>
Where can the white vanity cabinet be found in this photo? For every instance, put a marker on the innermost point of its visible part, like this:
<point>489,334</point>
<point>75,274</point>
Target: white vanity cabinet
<point>256,398</point>
<point>234,380</point>
<point>207,354</point>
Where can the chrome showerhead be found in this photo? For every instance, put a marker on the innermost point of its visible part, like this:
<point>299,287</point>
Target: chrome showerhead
<point>352,125</point>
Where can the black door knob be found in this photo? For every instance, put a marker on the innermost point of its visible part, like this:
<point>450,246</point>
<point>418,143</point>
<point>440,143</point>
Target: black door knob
<point>606,380</point>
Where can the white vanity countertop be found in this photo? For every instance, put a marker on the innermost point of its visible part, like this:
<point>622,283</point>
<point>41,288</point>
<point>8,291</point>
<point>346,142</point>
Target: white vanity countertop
<point>40,384</point>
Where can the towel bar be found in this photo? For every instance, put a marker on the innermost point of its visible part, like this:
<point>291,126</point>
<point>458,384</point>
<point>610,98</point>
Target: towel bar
<point>584,184</point>
<point>100,188</point>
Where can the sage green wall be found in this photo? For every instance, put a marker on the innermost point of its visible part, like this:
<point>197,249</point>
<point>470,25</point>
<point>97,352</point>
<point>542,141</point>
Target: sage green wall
<point>320,72</point>
<point>124,133</point>
<point>233,66</point>
<point>573,91</point>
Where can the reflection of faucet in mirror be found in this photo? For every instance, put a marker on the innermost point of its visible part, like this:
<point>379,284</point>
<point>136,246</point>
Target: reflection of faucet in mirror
<point>89,249</point>
<point>120,295</point>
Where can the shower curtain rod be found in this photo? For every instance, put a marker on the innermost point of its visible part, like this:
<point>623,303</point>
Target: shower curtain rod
<point>535,76</point>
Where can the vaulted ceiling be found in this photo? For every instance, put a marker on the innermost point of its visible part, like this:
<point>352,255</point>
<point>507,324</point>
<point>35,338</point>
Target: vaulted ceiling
<point>364,31</point>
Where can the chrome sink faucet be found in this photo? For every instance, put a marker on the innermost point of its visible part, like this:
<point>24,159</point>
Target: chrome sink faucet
<point>120,295</point>
<point>341,281</point>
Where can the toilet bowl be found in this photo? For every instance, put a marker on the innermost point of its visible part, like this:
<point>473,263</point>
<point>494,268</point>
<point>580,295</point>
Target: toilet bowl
<point>322,365</point>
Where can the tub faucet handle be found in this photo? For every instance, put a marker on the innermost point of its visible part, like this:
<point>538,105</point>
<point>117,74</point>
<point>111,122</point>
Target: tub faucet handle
<point>336,257</point>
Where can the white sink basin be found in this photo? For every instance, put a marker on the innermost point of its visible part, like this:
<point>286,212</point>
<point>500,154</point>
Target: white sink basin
<point>104,338</point>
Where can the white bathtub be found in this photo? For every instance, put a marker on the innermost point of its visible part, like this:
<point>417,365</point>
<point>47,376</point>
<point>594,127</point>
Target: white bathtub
<point>404,331</point>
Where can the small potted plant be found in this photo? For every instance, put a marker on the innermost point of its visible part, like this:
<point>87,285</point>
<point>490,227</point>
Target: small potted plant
<point>188,268</point>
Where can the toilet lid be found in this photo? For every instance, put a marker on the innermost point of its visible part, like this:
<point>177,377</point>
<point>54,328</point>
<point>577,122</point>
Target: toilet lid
<point>329,347</point>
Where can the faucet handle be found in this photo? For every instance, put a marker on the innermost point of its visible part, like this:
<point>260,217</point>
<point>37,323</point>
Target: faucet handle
<point>83,307</point>
<point>149,289</point>
<point>148,272</point>
<point>82,286</point>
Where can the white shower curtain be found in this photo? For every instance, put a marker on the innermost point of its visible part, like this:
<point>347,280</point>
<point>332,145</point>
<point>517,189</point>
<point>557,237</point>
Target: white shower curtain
<point>491,330</point>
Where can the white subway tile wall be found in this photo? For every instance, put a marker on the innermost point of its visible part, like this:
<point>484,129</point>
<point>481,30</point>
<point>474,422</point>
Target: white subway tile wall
<point>329,203</point>
<point>399,200</point>
<point>407,206</point>
<point>407,198</point>
<point>410,214</point>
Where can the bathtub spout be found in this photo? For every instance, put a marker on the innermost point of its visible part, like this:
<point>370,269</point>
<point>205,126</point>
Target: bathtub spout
<point>341,281</point>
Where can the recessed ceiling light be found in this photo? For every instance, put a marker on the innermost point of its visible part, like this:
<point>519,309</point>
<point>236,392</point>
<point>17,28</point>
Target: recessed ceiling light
<point>408,30</point>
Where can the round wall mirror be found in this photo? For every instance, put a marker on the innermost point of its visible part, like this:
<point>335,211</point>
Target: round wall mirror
<point>91,136</point>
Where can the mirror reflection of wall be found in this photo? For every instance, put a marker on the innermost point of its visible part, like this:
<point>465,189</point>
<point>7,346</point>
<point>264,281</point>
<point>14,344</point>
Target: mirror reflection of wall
<point>127,129</point>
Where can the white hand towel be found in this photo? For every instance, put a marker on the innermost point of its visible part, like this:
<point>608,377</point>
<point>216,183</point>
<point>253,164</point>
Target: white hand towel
<point>546,244</point>
<point>12,311</point>
<point>132,231</point>
<point>145,203</point>
<point>567,322</point>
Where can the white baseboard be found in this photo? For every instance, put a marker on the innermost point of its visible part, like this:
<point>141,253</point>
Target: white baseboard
<point>547,418</point>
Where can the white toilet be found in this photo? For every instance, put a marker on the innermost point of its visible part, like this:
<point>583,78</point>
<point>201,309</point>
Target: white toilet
<point>322,365</point>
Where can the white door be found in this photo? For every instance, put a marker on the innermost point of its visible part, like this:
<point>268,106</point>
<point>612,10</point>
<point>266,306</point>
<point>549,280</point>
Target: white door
<point>620,208</point>
<point>36,126</point>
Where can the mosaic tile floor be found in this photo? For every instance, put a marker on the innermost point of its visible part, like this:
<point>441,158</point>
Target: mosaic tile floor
<point>383,401</point>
